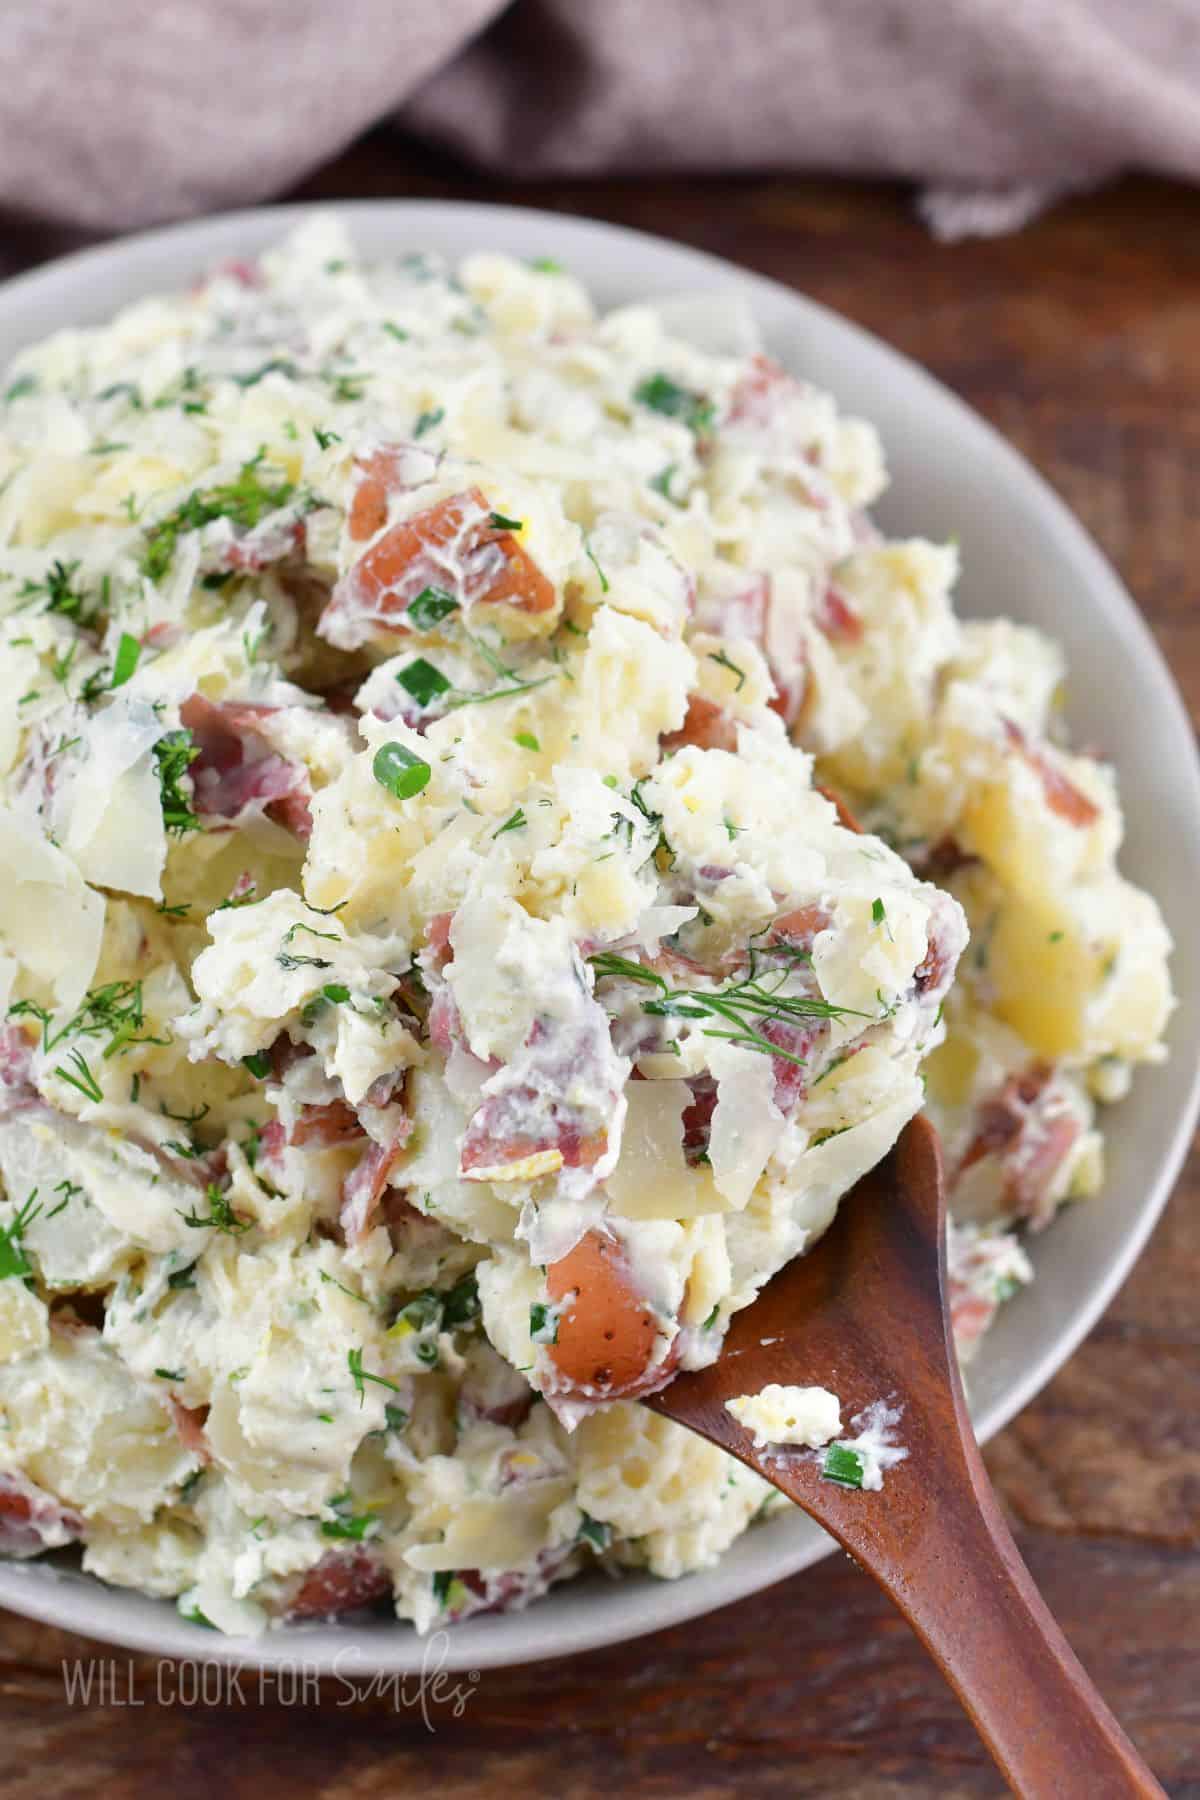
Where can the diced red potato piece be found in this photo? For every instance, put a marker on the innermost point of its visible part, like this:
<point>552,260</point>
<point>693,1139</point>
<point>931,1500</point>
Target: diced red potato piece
<point>1061,794</point>
<point>932,974</point>
<point>505,1412</point>
<point>697,1117</point>
<point>759,393</point>
<point>343,1581</point>
<point>236,769</point>
<point>489,1591</point>
<point>747,613</point>
<point>271,541</point>
<point>32,1520</point>
<point>272,1143</point>
<point>500,1132</point>
<point>17,1090</point>
<point>363,1187</point>
<point>706,726</point>
<point>189,1426</point>
<point>1029,1138</point>
<point>452,545</point>
<point>943,858</point>
<point>437,934</point>
<point>490,1142</point>
<point>837,618</point>
<point>971,1313</point>
<point>606,1332</point>
<point>800,926</point>
<point>791,1078</point>
<point>246,272</point>
<point>332,1122</point>
<point>284,1055</point>
<point>391,469</point>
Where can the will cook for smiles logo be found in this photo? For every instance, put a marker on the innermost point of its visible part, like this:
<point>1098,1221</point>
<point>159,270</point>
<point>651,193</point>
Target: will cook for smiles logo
<point>198,1682</point>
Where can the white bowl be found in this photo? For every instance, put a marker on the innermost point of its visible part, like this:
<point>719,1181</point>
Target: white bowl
<point>1025,556</point>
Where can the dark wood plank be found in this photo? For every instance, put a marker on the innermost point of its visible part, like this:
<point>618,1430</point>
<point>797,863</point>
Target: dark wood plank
<point>1077,338</point>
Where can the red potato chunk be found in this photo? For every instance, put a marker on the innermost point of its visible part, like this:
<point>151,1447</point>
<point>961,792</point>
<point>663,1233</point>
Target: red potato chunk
<point>362,1190</point>
<point>1030,1136</point>
<point>237,771</point>
<point>453,546</point>
<point>333,1122</point>
<point>606,1332</point>
<point>343,1581</point>
<point>32,1520</point>
<point>1061,794</point>
<point>706,726</point>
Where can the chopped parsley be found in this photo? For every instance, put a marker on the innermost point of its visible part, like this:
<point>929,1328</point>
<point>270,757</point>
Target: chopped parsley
<point>428,420</point>
<point>220,1216</point>
<point>662,395</point>
<point>244,501</point>
<point>878,912</point>
<point>430,605</point>
<point>259,1065</point>
<point>461,1305</point>
<point>325,438</point>
<point>543,1323</point>
<point>399,771</point>
<point>526,740</point>
<point>13,1260</point>
<point>175,753</point>
<point>501,522</point>
<point>62,597</point>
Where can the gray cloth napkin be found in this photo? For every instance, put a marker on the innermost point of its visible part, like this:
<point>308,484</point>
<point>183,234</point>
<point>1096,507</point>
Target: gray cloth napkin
<point>118,113</point>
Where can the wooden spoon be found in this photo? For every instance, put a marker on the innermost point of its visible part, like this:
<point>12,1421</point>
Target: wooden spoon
<point>865,1313</point>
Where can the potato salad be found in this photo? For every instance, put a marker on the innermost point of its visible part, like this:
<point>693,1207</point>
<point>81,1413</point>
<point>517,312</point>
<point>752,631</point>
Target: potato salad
<point>439,981</point>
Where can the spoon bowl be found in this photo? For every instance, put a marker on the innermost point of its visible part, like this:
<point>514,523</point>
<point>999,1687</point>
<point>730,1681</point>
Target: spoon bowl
<point>865,1313</point>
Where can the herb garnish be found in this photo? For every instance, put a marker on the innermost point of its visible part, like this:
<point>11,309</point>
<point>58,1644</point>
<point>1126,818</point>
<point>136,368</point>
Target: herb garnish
<point>359,1375</point>
<point>220,1216</point>
<point>665,396</point>
<point>719,656</point>
<point>423,681</point>
<point>430,605</point>
<point>399,771</point>
<point>13,1260</point>
<point>738,1004</point>
<point>175,752</point>
<point>244,501</point>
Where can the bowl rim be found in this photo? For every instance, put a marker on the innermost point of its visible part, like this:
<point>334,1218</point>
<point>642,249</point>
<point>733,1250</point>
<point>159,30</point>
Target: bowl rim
<point>82,1603</point>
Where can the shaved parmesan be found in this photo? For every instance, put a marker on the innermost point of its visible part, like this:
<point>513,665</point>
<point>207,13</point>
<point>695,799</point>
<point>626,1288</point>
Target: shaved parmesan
<point>652,1179</point>
<point>50,921</point>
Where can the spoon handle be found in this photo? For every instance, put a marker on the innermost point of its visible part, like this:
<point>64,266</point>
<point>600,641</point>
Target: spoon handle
<point>868,1306</point>
<point>967,1593</point>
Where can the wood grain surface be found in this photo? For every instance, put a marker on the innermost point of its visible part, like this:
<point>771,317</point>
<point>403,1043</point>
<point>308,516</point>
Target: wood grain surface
<point>1080,340</point>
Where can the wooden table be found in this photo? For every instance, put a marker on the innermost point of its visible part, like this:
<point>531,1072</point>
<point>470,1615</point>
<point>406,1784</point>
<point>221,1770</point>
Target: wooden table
<point>1080,339</point>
